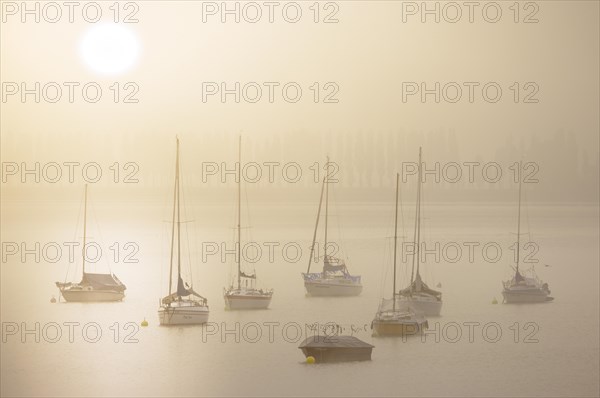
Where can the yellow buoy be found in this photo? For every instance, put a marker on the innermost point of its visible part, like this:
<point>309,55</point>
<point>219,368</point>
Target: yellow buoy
<point>494,301</point>
<point>144,322</point>
<point>310,359</point>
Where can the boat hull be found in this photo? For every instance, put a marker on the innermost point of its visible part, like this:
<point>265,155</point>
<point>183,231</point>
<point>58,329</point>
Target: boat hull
<point>316,288</point>
<point>188,315</point>
<point>535,296</point>
<point>425,305</point>
<point>345,354</point>
<point>90,296</point>
<point>336,348</point>
<point>247,302</point>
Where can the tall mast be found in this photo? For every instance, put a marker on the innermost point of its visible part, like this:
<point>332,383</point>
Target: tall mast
<point>173,223</point>
<point>326,182</point>
<point>519,219</point>
<point>84,225</point>
<point>415,239</point>
<point>312,248</point>
<point>178,221</point>
<point>419,216</point>
<point>395,239</point>
<point>239,226</point>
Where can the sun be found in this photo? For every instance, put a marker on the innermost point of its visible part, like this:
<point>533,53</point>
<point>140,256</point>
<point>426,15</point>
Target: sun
<point>109,49</point>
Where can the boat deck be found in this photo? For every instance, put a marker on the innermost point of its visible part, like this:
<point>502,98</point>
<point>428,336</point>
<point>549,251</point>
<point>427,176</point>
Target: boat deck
<point>336,348</point>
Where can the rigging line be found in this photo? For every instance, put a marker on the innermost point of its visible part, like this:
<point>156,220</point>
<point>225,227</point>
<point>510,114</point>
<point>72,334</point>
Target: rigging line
<point>314,240</point>
<point>249,232</point>
<point>233,232</point>
<point>414,242</point>
<point>175,195</point>
<point>341,251</point>
<point>163,255</point>
<point>163,238</point>
<point>75,239</point>
<point>178,230</point>
<point>527,214</point>
<point>83,252</point>
<point>239,214</point>
<point>187,234</point>
<point>519,217</point>
<point>418,251</point>
<point>326,212</point>
<point>530,238</point>
<point>395,240</point>
<point>334,214</point>
<point>402,214</point>
<point>426,235</point>
<point>169,225</point>
<point>98,229</point>
<point>403,229</point>
<point>389,262</point>
<point>249,236</point>
<point>386,257</point>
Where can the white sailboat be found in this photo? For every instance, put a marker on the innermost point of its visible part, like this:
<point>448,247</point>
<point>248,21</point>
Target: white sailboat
<point>93,287</point>
<point>244,296</point>
<point>183,306</point>
<point>335,280</point>
<point>420,296</point>
<point>395,317</point>
<point>522,289</point>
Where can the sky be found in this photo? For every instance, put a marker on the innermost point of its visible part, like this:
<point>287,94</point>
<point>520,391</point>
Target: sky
<point>499,90</point>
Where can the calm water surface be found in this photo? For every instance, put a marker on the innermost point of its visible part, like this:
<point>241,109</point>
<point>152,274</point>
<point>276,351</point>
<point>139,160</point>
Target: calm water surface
<point>544,350</point>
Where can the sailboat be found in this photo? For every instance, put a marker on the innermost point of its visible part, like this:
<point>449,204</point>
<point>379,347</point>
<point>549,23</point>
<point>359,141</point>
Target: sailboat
<point>420,296</point>
<point>394,317</point>
<point>244,296</point>
<point>335,279</point>
<point>93,287</point>
<point>183,306</point>
<point>522,289</point>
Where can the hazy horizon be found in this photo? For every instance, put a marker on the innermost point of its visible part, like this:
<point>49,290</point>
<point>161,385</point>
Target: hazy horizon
<point>502,98</point>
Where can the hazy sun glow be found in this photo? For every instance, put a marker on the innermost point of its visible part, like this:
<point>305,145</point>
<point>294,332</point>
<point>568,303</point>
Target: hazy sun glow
<point>109,49</point>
